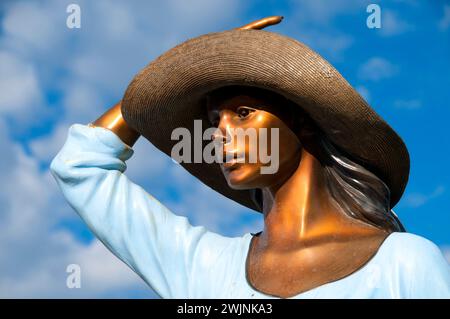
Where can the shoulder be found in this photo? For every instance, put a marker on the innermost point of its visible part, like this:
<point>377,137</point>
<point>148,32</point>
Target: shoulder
<point>409,247</point>
<point>418,265</point>
<point>410,251</point>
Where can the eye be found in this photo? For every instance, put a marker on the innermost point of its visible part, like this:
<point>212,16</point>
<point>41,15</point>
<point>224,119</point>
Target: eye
<point>244,111</point>
<point>215,122</point>
<point>213,118</point>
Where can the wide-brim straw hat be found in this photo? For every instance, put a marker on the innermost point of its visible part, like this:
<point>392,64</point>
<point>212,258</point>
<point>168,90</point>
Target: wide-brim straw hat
<point>170,93</point>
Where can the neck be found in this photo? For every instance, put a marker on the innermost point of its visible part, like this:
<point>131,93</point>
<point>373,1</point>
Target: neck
<point>300,208</point>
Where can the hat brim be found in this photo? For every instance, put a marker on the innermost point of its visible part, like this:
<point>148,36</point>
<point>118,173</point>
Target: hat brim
<point>169,93</point>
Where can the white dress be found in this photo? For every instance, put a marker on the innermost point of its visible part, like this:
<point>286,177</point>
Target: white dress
<point>179,260</point>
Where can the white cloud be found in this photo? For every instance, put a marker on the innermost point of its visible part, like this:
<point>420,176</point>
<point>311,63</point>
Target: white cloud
<point>376,69</point>
<point>420,199</point>
<point>332,43</point>
<point>83,103</point>
<point>313,22</point>
<point>102,275</point>
<point>21,96</point>
<point>392,24</point>
<point>408,104</point>
<point>322,12</point>
<point>32,24</point>
<point>46,147</point>
<point>444,23</point>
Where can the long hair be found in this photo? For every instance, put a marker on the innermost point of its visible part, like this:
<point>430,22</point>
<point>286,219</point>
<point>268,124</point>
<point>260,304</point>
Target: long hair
<point>354,190</point>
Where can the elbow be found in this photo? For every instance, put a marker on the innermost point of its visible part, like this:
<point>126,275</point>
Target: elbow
<point>55,167</point>
<point>60,169</point>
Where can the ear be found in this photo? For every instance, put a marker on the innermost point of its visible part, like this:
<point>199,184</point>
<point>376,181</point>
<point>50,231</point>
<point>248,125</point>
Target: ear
<point>303,127</point>
<point>307,129</point>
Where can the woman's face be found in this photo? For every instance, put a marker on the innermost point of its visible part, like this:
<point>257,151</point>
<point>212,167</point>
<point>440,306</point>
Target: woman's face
<point>265,136</point>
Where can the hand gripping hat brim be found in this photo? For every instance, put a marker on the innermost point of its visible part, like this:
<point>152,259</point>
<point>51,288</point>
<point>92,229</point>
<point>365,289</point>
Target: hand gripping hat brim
<point>169,93</point>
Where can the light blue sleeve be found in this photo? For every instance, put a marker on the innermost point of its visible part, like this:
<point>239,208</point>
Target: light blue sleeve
<point>423,270</point>
<point>161,247</point>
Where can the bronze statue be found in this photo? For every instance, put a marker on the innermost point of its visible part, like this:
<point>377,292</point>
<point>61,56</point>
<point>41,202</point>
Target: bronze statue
<point>327,210</point>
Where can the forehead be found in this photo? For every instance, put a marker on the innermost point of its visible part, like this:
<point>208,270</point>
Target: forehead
<point>235,101</point>
<point>232,97</point>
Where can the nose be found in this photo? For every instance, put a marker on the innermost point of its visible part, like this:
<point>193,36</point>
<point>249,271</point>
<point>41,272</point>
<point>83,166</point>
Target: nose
<point>222,134</point>
<point>219,137</point>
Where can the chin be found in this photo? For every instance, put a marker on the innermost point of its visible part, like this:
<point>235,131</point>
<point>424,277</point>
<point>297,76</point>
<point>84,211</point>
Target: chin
<point>242,177</point>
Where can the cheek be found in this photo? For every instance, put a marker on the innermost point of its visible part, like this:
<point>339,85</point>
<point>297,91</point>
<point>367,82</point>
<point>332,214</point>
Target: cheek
<point>266,139</point>
<point>275,147</point>
<point>281,143</point>
<point>289,151</point>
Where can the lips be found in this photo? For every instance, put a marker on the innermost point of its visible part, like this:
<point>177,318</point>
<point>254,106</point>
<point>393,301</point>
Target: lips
<point>236,159</point>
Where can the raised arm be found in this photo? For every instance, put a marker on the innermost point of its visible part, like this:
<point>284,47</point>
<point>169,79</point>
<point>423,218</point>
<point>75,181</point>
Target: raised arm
<point>157,244</point>
<point>113,121</point>
<point>175,258</point>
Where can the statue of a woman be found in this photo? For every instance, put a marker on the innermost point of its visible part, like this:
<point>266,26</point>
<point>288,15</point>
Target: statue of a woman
<point>329,231</point>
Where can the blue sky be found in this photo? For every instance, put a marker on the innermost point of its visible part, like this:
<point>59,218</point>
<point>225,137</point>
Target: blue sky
<point>52,77</point>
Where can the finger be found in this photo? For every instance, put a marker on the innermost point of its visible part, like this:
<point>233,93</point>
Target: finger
<point>262,23</point>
